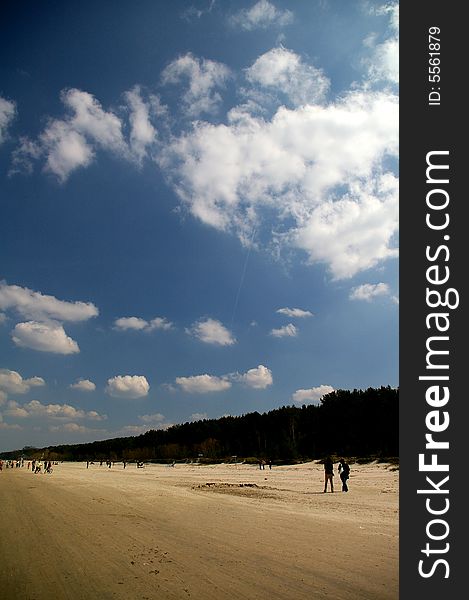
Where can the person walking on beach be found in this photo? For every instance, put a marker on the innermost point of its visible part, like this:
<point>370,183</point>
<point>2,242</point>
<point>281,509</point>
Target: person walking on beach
<point>328,473</point>
<point>344,472</point>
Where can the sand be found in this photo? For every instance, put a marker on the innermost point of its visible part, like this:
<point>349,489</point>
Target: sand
<point>202,532</point>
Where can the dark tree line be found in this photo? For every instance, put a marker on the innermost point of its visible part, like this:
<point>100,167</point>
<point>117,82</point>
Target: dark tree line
<point>359,423</point>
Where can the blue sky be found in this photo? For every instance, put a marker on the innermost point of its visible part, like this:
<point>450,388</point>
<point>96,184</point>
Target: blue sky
<point>199,209</point>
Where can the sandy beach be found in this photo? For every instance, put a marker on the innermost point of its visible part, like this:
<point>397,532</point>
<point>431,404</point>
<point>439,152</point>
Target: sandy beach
<point>202,532</point>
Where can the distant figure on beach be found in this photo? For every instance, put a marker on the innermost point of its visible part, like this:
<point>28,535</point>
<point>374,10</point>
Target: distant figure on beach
<point>328,473</point>
<point>344,472</point>
<point>124,464</point>
<point>87,463</point>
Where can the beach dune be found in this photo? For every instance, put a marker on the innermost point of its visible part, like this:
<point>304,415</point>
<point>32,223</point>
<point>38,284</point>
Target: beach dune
<point>198,531</point>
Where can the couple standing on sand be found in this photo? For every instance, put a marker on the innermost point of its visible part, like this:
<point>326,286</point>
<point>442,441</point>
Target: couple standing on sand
<point>344,472</point>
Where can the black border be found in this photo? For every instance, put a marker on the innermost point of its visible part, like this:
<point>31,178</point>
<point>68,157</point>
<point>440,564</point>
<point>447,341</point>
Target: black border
<point>424,128</point>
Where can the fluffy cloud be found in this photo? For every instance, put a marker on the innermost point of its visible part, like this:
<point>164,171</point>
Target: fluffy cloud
<point>66,149</point>
<point>7,113</point>
<point>258,378</point>
<point>127,386</point>
<point>133,323</point>
<point>212,331</point>
<point>54,411</point>
<point>138,324</point>
<point>312,395</point>
<point>44,332</point>
<point>286,331</point>
<point>83,385</point>
<point>70,143</point>
<point>204,77</point>
<point>142,132</point>
<point>297,313</point>
<point>45,337</point>
<point>200,384</point>
<point>281,70</point>
<point>368,291</point>
<point>319,168</point>
<point>384,63</point>
<point>38,306</point>
<point>13,383</point>
<point>261,16</point>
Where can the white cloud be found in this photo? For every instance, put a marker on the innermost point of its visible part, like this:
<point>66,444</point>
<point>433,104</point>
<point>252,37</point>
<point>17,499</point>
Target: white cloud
<point>368,291</point>
<point>104,128</point>
<point>7,114</point>
<point>38,306</point>
<point>261,15</point>
<point>312,395</point>
<point>297,313</point>
<point>212,331</point>
<point>71,142</point>
<point>258,378</point>
<point>160,323</point>
<point>127,386</point>
<point>286,331</point>
<point>283,71</point>
<point>319,170</point>
<point>66,149</point>
<point>3,318</point>
<point>354,233</point>
<point>384,63</point>
<point>142,133</point>
<point>204,76</point>
<point>83,385</point>
<point>3,397</point>
<point>54,411</point>
<point>134,323</point>
<point>13,383</point>
<point>24,155</point>
<point>138,324</point>
<point>201,384</point>
<point>44,337</point>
